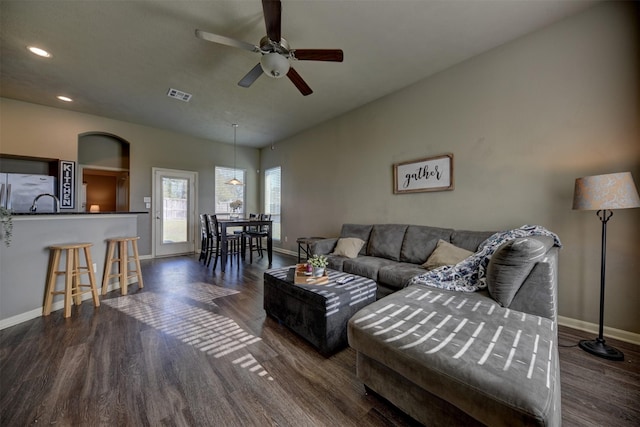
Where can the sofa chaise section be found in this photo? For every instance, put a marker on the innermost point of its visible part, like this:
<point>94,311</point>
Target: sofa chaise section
<point>477,359</point>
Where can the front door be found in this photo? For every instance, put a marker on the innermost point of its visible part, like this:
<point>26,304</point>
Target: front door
<point>174,195</point>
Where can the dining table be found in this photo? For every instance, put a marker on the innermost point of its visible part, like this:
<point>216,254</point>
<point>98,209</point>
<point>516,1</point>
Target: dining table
<point>244,223</point>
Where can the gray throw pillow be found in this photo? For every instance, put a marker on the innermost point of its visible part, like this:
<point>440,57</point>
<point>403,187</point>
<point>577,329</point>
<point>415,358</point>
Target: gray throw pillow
<point>511,263</point>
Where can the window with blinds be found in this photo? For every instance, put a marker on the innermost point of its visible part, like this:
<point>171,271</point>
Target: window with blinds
<point>272,198</point>
<point>228,196</point>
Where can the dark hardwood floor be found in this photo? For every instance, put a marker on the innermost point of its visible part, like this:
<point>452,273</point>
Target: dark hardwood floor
<point>194,348</point>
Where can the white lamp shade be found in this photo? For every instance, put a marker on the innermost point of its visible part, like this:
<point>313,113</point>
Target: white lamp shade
<point>274,65</point>
<point>234,181</point>
<point>610,191</point>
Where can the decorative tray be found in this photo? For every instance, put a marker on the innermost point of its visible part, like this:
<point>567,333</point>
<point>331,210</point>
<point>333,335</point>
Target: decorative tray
<point>301,277</point>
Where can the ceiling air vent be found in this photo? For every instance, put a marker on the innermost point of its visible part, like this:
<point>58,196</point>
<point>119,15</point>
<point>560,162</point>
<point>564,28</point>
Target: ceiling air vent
<point>178,94</point>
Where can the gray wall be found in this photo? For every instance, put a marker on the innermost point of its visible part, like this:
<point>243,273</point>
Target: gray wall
<point>523,121</point>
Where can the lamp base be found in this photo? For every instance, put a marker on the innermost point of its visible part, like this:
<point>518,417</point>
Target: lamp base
<point>598,348</point>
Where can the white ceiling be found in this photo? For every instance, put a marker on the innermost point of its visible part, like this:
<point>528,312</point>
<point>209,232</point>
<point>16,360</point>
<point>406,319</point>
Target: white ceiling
<point>119,58</point>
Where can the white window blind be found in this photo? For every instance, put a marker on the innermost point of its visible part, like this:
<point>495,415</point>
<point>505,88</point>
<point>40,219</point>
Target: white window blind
<point>225,193</point>
<point>272,198</point>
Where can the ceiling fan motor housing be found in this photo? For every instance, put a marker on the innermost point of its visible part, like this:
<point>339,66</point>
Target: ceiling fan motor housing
<point>274,60</point>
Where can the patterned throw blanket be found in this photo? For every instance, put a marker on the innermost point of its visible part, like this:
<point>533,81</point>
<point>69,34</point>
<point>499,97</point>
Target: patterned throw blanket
<point>469,275</point>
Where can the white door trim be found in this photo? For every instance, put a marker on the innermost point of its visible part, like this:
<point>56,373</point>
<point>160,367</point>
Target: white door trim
<point>193,229</point>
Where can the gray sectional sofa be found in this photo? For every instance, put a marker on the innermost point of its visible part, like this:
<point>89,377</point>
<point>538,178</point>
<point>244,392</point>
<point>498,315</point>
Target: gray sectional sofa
<point>447,357</point>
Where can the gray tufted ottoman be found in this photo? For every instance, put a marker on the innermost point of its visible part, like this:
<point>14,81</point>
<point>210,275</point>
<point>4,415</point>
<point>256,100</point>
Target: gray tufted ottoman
<point>318,313</point>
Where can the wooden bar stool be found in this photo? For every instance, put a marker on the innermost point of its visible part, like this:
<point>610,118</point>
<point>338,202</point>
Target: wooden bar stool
<point>123,272</point>
<point>72,272</point>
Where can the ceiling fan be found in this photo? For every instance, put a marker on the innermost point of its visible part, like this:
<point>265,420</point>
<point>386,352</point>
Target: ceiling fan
<point>275,51</point>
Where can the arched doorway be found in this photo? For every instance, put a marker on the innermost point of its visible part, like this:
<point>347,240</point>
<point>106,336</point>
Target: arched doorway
<point>103,161</point>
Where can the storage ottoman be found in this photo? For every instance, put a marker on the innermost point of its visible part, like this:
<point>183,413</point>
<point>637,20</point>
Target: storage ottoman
<point>318,313</point>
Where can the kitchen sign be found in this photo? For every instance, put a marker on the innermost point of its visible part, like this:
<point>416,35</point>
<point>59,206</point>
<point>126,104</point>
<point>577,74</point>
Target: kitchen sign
<point>429,174</point>
<point>67,180</point>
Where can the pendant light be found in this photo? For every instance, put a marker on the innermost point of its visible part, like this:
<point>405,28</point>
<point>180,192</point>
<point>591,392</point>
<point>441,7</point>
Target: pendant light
<point>234,181</point>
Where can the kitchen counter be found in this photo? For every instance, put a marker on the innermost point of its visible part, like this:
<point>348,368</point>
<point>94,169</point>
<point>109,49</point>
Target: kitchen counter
<point>76,213</point>
<point>23,265</point>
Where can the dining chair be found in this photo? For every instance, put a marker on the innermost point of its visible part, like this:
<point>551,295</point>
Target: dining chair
<point>233,242</point>
<point>255,234</point>
<point>204,238</point>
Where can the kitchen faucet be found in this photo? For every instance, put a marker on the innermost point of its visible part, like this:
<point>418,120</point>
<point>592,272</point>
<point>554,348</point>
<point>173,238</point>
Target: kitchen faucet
<point>56,202</point>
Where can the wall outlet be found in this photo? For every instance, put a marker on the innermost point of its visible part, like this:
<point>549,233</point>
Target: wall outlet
<point>95,267</point>
<point>286,239</point>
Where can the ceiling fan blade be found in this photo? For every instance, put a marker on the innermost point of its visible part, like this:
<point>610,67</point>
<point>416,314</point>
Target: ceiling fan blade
<point>297,80</point>
<point>272,10</point>
<point>226,41</point>
<point>251,76</point>
<point>334,55</point>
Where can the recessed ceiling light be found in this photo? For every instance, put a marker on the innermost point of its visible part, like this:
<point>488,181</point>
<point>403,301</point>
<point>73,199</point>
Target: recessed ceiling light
<point>64,98</point>
<point>39,52</point>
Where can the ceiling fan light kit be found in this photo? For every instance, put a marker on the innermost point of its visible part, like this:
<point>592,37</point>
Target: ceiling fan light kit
<point>274,65</point>
<point>275,51</point>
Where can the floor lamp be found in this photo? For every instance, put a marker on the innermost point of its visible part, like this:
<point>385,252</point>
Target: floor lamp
<point>603,193</point>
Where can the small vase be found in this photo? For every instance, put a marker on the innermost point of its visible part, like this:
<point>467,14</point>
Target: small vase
<point>318,271</point>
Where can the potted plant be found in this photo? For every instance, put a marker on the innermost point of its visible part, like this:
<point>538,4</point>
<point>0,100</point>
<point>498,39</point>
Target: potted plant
<point>6,231</point>
<point>319,264</point>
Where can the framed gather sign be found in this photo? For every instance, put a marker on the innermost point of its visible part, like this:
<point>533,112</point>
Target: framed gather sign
<point>428,174</point>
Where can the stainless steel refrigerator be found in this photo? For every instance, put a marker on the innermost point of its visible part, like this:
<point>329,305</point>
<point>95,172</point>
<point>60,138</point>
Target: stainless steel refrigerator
<point>18,191</point>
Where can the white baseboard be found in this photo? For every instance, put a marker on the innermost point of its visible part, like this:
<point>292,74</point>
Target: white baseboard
<point>618,334</point>
<point>23,317</point>
<point>37,312</point>
<point>286,252</point>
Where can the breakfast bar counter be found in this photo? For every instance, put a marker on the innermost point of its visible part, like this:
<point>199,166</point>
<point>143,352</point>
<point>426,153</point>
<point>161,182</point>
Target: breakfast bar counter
<point>23,264</point>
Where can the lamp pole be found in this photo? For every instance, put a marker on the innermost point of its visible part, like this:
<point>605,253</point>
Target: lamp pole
<point>598,347</point>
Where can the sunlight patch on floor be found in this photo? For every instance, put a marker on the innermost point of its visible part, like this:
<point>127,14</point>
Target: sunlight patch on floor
<point>249,362</point>
<point>209,332</point>
<point>199,291</point>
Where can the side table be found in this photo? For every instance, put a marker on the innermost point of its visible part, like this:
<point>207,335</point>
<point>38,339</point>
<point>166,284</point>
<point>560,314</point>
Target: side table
<point>304,245</point>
